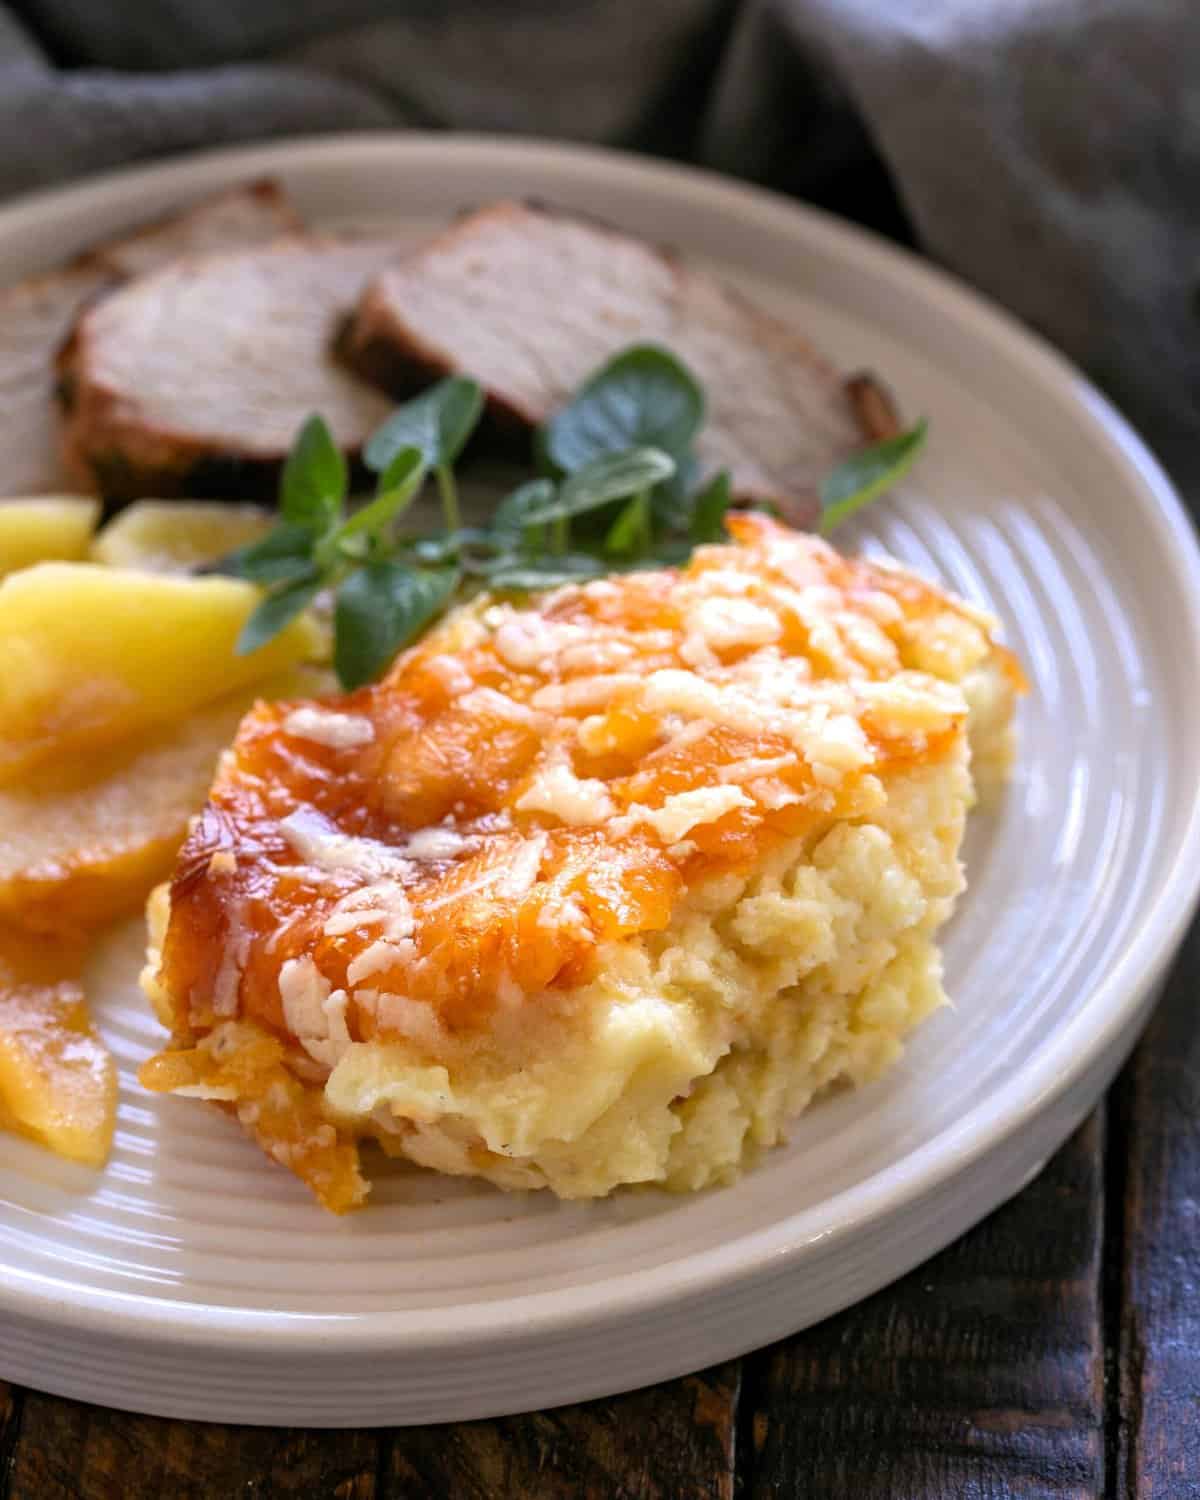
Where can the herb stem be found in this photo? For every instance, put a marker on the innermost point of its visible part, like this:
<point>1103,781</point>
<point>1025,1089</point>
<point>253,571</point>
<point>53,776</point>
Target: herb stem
<point>644,536</point>
<point>448,491</point>
<point>325,552</point>
<point>560,534</point>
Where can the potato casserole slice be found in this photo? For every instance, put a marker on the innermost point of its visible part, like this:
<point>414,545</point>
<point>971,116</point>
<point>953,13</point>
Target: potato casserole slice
<point>595,888</point>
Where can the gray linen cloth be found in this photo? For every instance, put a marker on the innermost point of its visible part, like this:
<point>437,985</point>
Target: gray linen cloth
<point>1046,150</point>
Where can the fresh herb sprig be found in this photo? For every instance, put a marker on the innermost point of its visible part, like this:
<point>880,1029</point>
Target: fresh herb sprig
<point>318,547</point>
<point>619,491</point>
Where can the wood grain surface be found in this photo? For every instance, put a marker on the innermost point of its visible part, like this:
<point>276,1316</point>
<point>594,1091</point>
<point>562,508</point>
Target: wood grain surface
<point>670,1441</point>
<point>70,1451</point>
<point>980,1374</point>
<point>1156,1177</point>
<point>1052,1352</point>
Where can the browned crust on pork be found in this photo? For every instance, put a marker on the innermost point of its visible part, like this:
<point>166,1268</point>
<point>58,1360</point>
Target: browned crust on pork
<point>874,406</point>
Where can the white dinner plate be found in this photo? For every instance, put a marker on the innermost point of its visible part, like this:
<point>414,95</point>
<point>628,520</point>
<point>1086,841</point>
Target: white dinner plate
<point>192,1278</point>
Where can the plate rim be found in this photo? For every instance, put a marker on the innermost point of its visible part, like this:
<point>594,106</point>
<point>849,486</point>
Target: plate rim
<point>1054,1068</point>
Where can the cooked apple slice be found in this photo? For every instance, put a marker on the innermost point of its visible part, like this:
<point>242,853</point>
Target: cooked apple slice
<point>92,655</point>
<point>86,843</point>
<point>43,528</point>
<point>58,1083</point>
<point>171,536</point>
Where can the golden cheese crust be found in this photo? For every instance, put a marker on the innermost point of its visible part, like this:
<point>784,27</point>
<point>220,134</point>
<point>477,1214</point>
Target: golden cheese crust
<point>533,784</point>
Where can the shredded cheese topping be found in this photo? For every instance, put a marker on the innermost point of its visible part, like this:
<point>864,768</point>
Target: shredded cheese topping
<point>535,780</point>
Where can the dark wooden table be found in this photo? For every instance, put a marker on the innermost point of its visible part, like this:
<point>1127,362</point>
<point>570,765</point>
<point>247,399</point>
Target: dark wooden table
<point>1054,1351</point>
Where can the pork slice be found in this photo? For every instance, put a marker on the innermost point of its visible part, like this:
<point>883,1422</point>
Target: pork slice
<point>252,213</point>
<point>35,317</point>
<point>198,376</point>
<point>530,302</point>
<point>37,314</point>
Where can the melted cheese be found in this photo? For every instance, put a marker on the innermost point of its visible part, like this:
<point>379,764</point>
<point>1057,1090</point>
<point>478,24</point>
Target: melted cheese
<point>324,727</point>
<point>571,799</point>
<point>684,811</point>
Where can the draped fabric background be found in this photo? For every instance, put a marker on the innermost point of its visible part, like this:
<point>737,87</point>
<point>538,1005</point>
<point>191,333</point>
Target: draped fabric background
<point>1046,150</point>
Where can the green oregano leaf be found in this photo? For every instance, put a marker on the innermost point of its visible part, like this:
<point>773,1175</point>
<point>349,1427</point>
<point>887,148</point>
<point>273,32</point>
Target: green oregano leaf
<point>312,490</point>
<point>438,422</point>
<point>709,508</point>
<point>379,609</point>
<point>276,611</point>
<point>398,485</point>
<point>866,475</point>
<point>643,397</point>
<point>612,477</point>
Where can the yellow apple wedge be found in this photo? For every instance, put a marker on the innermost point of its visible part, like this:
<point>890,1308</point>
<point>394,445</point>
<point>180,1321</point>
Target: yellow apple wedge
<point>58,1082</point>
<point>45,527</point>
<point>85,843</point>
<point>91,655</point>
<point>170,536</point>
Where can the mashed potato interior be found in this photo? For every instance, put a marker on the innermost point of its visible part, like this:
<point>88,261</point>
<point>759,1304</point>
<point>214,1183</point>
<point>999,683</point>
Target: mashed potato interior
<point>696,1044</point>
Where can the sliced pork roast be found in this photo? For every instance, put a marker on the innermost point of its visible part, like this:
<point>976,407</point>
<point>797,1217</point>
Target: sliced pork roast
<point>529,302</point>
<point>252,213</point>
<point>197,377</point>
<point>37,314</point>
